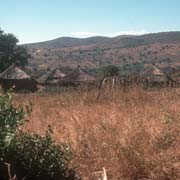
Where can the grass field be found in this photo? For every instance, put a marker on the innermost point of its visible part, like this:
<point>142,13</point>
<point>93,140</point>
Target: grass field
<point>133,133</point>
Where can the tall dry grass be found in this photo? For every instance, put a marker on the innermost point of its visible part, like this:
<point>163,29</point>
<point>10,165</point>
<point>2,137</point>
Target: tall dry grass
<point>133,133</point>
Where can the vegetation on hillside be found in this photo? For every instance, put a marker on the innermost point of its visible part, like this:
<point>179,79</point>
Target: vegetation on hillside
<point>125,52</point>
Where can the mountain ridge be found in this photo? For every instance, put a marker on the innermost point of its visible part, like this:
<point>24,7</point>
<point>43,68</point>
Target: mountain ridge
<point>123,51</point>
<point>65,42</point>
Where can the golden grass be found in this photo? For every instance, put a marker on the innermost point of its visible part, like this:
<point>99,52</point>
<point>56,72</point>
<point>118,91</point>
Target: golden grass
<point>133,133</point>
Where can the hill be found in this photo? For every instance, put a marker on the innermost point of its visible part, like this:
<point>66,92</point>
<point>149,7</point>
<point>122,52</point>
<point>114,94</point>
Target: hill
<point>120,41</point>
<point>130,53</point>
<point>64,42</point>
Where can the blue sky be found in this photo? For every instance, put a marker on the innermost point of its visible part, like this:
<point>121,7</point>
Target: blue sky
<point>39,20</point>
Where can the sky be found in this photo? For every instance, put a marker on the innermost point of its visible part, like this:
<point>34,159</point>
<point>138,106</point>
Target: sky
<point>40,20</point>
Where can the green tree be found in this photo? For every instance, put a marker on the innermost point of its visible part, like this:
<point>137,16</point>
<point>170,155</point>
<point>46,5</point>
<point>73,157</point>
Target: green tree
<point>109,71</point>
<point>10,52</point>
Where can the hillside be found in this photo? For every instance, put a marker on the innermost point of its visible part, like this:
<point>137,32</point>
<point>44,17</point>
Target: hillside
<point>127,52</point>
<point>64,42</point>
<point>120,41</point>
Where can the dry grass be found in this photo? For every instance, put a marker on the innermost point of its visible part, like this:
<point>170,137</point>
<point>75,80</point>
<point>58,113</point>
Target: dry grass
<point>133,133</point>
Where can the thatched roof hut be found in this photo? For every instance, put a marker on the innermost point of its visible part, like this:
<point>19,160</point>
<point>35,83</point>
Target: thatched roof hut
<point>78,76</point>
<point>154,75</point>
<point>54,77</point>
<point>14,77</point>
<point>42,79</point>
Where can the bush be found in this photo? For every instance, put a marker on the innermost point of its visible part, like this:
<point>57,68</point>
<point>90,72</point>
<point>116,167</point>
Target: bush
<point>11,119</point>
<point>110,71</point>
<point>29,156</point>
<point>40,158</point>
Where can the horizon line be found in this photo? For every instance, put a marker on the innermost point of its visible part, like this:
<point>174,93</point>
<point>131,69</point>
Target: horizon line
<point>81,37</point>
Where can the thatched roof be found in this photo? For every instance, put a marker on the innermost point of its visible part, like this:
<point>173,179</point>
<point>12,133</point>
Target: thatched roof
<point>153,73</point>
<point>153,70</point>
<point>15,73</point>
<point>79,75</point>
<point>54,77</point>
<point>42,79</point>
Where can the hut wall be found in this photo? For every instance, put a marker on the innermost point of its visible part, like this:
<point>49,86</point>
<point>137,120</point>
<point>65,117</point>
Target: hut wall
<point>19,85</point>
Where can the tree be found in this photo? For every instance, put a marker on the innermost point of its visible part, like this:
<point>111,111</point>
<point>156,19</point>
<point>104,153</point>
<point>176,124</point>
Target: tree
<point>111,70</point>
<point>10,52</point>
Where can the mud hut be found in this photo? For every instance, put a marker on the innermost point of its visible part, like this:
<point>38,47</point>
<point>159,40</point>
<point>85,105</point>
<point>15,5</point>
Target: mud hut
<point>152,75</point>
<point>53,79</point>
<point>14,77</point>
<point>77,77</point>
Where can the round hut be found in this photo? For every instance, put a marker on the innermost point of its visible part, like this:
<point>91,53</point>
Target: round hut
<point>17,79</point>
<point>78,76</point>
<point>153,76</point>
<point>54,78</point>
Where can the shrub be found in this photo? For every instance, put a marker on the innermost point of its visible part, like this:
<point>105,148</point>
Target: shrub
<point>109,71</point>
<point>29,156</point>
<point>40,158</point>
<point>11,119</point>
